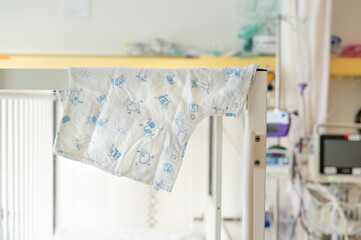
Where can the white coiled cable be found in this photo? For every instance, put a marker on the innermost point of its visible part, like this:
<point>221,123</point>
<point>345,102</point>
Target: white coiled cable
<point>152,207</point>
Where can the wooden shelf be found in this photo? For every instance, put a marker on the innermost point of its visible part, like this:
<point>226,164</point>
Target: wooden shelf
<point>338,65</point>
<point>341,66</point>
<point>50,62</point>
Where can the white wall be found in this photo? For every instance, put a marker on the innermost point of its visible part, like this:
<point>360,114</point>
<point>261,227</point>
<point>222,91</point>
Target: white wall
<point>346,20</point>
<point>344,99</point>
<point>345,92</point>
<point>39,26</point>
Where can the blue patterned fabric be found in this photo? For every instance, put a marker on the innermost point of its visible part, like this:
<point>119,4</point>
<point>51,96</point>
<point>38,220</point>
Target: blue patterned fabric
<point>137,122</point>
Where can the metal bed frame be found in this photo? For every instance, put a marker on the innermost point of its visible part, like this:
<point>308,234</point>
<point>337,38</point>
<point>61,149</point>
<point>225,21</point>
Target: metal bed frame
<point>254,156</point>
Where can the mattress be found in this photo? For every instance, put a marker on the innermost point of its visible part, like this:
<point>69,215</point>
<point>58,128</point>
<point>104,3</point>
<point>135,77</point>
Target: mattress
<point>128,234</point>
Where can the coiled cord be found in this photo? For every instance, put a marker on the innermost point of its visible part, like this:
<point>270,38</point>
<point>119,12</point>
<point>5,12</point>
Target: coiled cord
<point>152,207</point>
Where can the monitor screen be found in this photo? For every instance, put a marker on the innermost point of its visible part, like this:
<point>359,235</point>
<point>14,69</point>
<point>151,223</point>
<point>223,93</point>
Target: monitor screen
<point>272,128</point>
<point>339,155</point>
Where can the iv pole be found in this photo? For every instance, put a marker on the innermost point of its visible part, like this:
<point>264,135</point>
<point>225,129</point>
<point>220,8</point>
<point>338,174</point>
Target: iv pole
<point>277,106</point>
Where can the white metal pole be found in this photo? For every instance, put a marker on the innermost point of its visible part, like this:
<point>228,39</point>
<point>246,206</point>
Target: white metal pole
<point>22,167</point>
<point>218,178</point>
<point>276,210</point>
<point>27,126</point>
<point>31,170</point>
<point>16,160</point>
<point>11,175</point>
<point>6,161</point>
<point>247,207</point>
<point>278,67</point>
<point>278,62</point>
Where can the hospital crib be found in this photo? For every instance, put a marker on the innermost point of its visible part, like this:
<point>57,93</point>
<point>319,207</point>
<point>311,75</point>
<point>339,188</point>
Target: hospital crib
<point>254,163</point>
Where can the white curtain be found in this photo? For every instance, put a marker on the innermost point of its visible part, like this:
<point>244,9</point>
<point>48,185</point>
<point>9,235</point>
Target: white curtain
<point>312,41</point>
<point>306,63</point>
<point>321,57</point>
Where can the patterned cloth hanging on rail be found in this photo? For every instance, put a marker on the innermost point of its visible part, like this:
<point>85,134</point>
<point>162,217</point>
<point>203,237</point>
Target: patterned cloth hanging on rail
<point>137,122</point>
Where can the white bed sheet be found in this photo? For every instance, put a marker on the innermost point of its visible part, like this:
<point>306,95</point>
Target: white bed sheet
<point>128,234</point>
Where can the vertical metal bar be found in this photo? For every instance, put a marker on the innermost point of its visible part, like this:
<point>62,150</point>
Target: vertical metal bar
<point>31,174</point>
<point>278,67</point>
<point>26,169</point>
<point>11,167</point>
<point>44,171</point>
<point>1,173</point>
<point>276,210</point>
<point>33,168</point>
<point>254,165</point>
<point>247,189</point>
<point>278,62</point>
<point>36,161</point>
<point>210,170</point>
<point>218,178</point>
<point>39,159</point>
<point>21,169</point>
<point>6,168</point>
<point>49,169</point>
<point>16,167</point>
<point>34,192</point>
<point>52,130</point>
<point>36,168</point>
<point>54,167</point>
<point>48,160</point>
<point>39,174</point>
